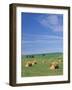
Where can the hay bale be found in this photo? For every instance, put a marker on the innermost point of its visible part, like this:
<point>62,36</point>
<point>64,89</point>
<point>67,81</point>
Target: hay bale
<point>54,65</point>
<point>34,62</point>
<point>28,64</point>
<point>57,67</point>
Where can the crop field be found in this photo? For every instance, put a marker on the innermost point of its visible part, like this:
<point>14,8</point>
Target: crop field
<point>42,65</point>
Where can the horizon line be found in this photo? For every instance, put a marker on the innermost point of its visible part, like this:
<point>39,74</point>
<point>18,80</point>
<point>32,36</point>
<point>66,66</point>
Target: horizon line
<point>42,53</point>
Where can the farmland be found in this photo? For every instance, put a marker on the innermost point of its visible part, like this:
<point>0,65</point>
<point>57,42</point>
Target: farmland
<point>42,66</point>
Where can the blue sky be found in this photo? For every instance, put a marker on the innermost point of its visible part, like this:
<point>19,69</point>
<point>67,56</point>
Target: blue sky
<point>41,33</point>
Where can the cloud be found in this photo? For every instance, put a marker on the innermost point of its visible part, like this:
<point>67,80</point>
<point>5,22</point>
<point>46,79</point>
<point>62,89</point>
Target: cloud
<point>41,40</point>
<point>52,21</point>
<point>41,43</point>
<point>41,37</point>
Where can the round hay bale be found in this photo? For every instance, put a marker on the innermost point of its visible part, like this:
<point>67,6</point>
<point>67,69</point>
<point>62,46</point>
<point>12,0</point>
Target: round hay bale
<point>34,62</point>
<point>55,63</point>
<point>57,67</point>
<point>52,67</point>
<point>28,64</point>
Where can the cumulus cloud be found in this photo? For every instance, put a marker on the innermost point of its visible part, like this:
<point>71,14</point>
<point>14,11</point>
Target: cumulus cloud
<point>53,22</point>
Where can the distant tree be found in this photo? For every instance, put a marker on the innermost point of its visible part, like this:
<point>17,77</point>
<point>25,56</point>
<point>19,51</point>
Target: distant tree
<point>27,56</point>
<point>43,54</point>
<point>32,56</point>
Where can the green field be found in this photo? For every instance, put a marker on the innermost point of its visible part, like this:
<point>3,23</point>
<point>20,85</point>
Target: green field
<point>42,68</point>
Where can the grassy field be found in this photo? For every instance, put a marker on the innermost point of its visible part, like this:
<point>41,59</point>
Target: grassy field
<point>42,68</point>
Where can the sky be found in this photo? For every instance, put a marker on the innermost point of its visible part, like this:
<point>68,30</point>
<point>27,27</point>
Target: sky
<point>41,33</point>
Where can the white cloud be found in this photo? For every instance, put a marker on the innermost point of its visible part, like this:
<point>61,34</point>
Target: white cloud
<point>42,41</point>
<point>41,37</point>
<point>52,22</point>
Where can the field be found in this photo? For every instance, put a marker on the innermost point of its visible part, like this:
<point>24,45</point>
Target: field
<point>42,66</point>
